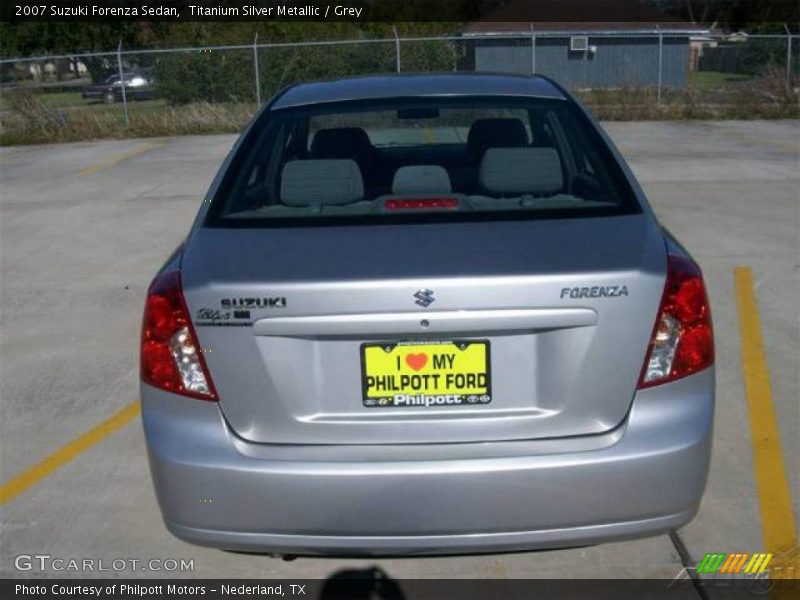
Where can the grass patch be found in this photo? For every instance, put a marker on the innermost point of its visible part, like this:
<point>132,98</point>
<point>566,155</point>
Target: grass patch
<point>31,121</point>
<point>72,99</point>
<point>714,80</point>
<point>53,100</point>
<point>765,97</point>
<point>39,119</point>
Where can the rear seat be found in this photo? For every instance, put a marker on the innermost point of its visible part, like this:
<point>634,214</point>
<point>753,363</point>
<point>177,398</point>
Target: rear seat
<point>318,183</point>
<point>521,171</point>
<point>421,179</point>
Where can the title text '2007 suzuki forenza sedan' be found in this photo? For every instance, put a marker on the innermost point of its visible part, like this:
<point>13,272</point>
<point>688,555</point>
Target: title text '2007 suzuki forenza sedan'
<point>426,314</point>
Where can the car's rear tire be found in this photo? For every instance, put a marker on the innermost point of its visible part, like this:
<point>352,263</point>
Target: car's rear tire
<point>109,97</point>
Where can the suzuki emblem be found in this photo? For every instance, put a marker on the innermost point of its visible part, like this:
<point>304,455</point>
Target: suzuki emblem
<point>424,297</point>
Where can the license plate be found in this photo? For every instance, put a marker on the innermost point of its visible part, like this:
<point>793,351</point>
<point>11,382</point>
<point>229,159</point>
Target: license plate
<point>426,374</point>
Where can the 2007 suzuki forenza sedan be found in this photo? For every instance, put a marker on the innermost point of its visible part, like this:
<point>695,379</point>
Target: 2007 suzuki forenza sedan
<point>426,314</point>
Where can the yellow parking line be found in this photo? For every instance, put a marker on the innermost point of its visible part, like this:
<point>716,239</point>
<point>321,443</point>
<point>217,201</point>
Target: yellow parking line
<point>775,501</point>
<point>118,158</point>
<point>30,477</point>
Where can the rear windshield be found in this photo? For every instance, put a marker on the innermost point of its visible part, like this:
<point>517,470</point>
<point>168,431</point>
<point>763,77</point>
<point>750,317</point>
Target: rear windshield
<point>432,159</point>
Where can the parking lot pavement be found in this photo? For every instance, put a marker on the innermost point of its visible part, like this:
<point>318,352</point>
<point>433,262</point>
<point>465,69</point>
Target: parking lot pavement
<point>83,227</point>
<point>730,191</point>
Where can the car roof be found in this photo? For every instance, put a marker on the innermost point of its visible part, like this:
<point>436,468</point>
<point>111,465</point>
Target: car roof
<point>395,86</point>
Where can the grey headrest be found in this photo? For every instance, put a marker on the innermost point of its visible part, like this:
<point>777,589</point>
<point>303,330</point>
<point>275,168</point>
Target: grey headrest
<point>521,171</point>
<point>421,179</point>
<point>321,182</point>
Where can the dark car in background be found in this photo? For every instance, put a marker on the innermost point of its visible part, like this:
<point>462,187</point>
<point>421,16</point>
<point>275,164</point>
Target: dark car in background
<point>138,86</point>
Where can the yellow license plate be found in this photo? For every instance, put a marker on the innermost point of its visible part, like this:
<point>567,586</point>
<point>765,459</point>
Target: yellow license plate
<point>426,374</point>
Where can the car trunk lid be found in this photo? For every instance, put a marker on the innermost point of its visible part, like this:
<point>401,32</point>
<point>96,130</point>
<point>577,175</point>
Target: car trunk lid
<point>564,309</point>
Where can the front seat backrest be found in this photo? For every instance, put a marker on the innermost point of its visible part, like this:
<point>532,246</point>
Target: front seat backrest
<point>495,133</point>
<point>343,142</point>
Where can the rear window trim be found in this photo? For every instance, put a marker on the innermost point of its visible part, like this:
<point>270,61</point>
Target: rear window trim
<point>214,219</point>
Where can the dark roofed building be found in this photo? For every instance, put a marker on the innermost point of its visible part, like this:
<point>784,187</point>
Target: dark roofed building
<point>584,43</point>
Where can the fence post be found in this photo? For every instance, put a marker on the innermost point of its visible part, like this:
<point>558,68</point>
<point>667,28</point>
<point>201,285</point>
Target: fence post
<point>788,60</point>
<point>396,49</point>
<point>660,64</point>
<point>255,71</point>
<point>533,50</point>
<point>122,84</point>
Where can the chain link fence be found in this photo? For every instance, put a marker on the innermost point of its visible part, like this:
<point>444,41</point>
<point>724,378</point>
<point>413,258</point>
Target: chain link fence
<point>620,75</point>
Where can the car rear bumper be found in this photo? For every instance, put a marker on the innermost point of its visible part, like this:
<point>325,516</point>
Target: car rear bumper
<point>644,478</point>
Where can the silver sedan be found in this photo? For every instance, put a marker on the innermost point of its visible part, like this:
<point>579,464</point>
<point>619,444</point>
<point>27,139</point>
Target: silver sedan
<point>426,314</point>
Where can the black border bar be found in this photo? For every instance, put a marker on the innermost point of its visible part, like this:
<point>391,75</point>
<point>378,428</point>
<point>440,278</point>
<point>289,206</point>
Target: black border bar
<point>373,583</point>
<point>364,11</point>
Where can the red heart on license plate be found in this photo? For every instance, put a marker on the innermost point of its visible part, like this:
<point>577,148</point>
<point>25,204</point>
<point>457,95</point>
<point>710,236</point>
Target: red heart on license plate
<point>416,361</point>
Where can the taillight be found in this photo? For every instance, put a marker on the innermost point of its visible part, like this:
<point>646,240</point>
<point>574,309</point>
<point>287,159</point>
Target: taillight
<point>171,358</point>
<point>683,340</point>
